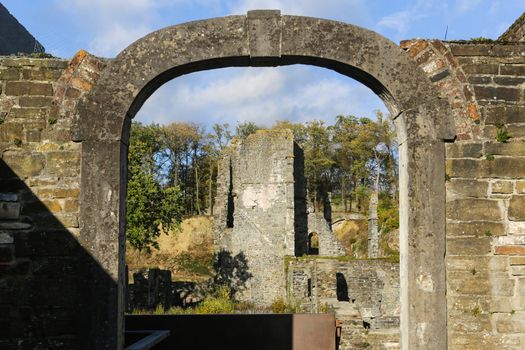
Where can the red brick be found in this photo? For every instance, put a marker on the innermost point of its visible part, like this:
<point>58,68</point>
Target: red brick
<point>510,250</point>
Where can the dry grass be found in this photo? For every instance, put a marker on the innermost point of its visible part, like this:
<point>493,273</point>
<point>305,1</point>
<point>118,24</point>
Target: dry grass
<point>187,253</point>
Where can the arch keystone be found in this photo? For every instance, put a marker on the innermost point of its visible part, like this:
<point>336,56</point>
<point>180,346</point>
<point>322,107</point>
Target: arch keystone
<point>264,33</point>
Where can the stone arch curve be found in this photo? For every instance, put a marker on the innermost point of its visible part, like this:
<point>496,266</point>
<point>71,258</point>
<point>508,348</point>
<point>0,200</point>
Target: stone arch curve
<point>267,38</point>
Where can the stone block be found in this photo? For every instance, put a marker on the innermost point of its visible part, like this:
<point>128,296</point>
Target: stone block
<point>9,210</point>
<point>502,187</point>
<point>8,197</point>
<point>482,68</point>
<point>472,209</point>
<point>6,238</point>
<point>517,208</point>
<point>11,131</point>
<point>47,74</point>
<point>510,250</point>
<point>23,164</point>
<point>53,205</point>
<point>71,205</point>
<point>509,81</point>
<point>63,163</point>
<point>502,167</point>
<point>57,192</point>
<point>463,150</point>
<point>518,270</point>
<point>14,225</point>
<point>470,49</point>
<point>501,286</point>
<point>27,113</point>
<point>6,253</point>
<point>9,74</point>
<point>517,260</point>
<point>465,283</point>
<point>505,149</point>
<point>469,245</point>
<point>504,114</point>
<point>510,323</point>
<point>469,168</point>
<point>520,288</point>
<point>517,227</point>
<point>34,101</point>
<point>520,187</point>
<point>475,229</point>
<point>20,88</point>
<point>46,243</point>
<point>482,264</point>
<point>469,188</point>
<point>497,93</point>
<point>512,69</point>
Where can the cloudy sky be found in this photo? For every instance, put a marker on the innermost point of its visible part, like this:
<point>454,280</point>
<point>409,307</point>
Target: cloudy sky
<point>262,95</point>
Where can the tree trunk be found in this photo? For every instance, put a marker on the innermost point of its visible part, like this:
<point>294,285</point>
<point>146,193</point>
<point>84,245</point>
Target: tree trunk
<point>210,189</point>
<point>343,199</point>
<point>197,201</point>
<point>373,232</point>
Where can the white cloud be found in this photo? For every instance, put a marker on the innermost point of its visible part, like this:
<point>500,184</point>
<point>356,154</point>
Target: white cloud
<point>114,24</point>
<point>261,95</point>
<point>463,6</point>
<point>349,10</point>
<point>402,21</point>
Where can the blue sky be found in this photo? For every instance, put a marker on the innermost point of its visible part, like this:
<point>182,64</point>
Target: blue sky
<point>299,93</point>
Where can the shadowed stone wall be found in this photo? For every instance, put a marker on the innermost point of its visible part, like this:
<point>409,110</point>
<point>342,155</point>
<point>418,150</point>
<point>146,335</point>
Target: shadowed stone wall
<point>42,267</point>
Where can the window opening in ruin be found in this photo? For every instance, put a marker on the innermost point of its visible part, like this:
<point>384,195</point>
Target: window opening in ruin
<point>309,288</point>
<point>313,243</point>
<point>342,287</point>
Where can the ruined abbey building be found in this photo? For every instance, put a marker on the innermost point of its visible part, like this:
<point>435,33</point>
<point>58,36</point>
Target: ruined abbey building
<point>460,110</point>
<point>261,212</point>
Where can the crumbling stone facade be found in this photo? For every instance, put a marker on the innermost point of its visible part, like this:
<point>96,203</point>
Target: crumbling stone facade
<point>61,266</point>
<point>364,294</point>
<point>256,212</point>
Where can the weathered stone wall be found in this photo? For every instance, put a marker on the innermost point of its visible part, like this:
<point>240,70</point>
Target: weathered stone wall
<point>255,211</point>
<point>485,189</point>
<point>328,243</point>
<point>516,31</point>
<point>41,263</point>
<point>363,293</point>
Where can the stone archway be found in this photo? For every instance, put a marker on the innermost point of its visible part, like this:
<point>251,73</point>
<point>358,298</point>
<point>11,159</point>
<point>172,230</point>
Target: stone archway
<point>265,38</point>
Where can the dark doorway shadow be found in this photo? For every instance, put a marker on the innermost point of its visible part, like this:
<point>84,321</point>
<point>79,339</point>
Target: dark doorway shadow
<point>341,287</point>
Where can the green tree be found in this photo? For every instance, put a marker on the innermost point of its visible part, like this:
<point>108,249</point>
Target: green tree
<point>150,204</point>
<point>245,129</point>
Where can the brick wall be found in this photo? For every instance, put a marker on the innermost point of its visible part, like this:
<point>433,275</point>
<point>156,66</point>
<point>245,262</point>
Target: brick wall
<point>485,189</point>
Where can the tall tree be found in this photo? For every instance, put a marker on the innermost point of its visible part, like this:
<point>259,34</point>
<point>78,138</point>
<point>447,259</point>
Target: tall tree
<point>150,204</point>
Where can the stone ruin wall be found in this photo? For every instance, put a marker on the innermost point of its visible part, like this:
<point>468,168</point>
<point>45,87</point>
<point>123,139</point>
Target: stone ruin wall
<point>254,212</point>
<point>41,277</point>
<point>363,293</point>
